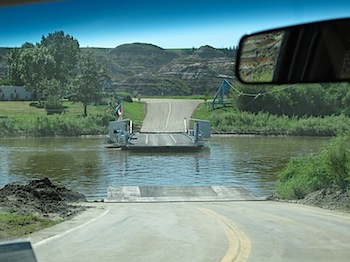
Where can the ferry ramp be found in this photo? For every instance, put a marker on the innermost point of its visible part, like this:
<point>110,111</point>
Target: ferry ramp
<point>145,194</point>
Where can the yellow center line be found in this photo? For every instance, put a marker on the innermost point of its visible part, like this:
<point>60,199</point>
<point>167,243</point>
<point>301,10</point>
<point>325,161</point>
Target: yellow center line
<point>169,112</point>
<point>239,243</point>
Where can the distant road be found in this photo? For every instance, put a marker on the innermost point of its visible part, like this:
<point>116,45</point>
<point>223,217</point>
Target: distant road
<point>167,115</point>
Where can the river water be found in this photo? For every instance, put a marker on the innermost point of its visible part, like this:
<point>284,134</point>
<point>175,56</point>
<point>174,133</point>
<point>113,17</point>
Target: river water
<point>87,166</point>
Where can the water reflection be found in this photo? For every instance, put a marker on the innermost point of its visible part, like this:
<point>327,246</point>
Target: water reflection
<point>128,168</point>
<point>87,166</point>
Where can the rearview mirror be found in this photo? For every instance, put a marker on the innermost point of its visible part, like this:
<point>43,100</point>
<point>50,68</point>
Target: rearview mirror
<point>308,53</point>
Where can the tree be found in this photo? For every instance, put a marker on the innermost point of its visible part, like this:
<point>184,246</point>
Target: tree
<point>14,72</point>
<point>47,67</point>
<point>36,66</point>
<point>14,62</point>
<point>65,51</point>
<point>88,82</point>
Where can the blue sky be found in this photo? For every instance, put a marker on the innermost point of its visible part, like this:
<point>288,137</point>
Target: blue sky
<point>168,24</point>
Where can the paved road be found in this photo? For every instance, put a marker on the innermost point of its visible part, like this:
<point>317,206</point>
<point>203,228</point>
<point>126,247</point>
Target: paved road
<point>163,121</point>
<point>167,115</point>
<point>198,231</point>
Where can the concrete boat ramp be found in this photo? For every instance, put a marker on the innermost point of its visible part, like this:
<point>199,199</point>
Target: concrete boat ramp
<point>145,194</point>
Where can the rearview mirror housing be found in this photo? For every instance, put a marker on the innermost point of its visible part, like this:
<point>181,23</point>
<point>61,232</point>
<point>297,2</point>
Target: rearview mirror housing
<point>307,53</point>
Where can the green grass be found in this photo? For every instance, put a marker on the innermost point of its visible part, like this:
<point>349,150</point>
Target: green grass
<point>19,119</point>
<point>22,110</point>
<point>134,111</point>
<point>229,120</point>
<point>329,168</point>
<point>204,111</point>
<point>13,226</point>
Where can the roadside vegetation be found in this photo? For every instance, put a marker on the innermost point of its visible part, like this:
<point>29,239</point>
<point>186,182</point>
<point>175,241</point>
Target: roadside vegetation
<point>15,225</point>
<point>18,118</point>
<point>297,110</point>
<point>228,120</point>
<point>328,169</point>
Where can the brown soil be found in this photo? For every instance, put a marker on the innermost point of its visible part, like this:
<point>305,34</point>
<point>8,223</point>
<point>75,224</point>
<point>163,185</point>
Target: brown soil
<point>42,198</point>
<point>328,198</point>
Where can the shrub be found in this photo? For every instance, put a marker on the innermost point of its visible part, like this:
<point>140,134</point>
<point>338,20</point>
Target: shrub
<point>294,100</point>
<point>8,127</point>
<point>34,104</point>
<point>53,102</point>
<point>301,177</point>
<point>53,105</point>
<point>337,157</point>
<point>310,173</point>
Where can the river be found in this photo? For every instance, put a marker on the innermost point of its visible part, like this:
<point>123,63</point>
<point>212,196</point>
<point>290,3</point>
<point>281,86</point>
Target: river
<point>87,166</point>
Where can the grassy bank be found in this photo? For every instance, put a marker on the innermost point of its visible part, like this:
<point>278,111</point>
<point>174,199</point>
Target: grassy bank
<point>330,168</point>
<point>229,120</point>
<point>13,226</point>
<point>20,119</point>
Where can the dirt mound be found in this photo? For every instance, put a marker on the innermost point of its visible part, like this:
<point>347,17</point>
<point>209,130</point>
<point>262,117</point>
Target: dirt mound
<point>329,198</point>
<point>42,198</point>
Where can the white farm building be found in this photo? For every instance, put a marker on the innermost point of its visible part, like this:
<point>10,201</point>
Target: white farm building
<point>15,93</point>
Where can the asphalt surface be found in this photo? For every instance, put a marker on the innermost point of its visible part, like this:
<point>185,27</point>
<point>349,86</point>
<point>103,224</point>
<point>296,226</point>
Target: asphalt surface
<point>197,231</point>
<point>164,125</point>
<point>167,115</point>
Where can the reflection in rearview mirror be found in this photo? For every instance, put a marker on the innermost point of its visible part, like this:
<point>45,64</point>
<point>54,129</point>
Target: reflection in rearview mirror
<point>259,55</point>
<point>316,52</point>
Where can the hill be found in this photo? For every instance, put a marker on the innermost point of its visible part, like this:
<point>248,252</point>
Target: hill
<point>151,70</point>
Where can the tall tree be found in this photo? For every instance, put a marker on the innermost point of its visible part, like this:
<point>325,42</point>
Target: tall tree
<point>65,51</point>
<point>14,72</point>
<point>36,65</point>
<point>47,67</point>
<point>88,83</point>
<point>14,62</point>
